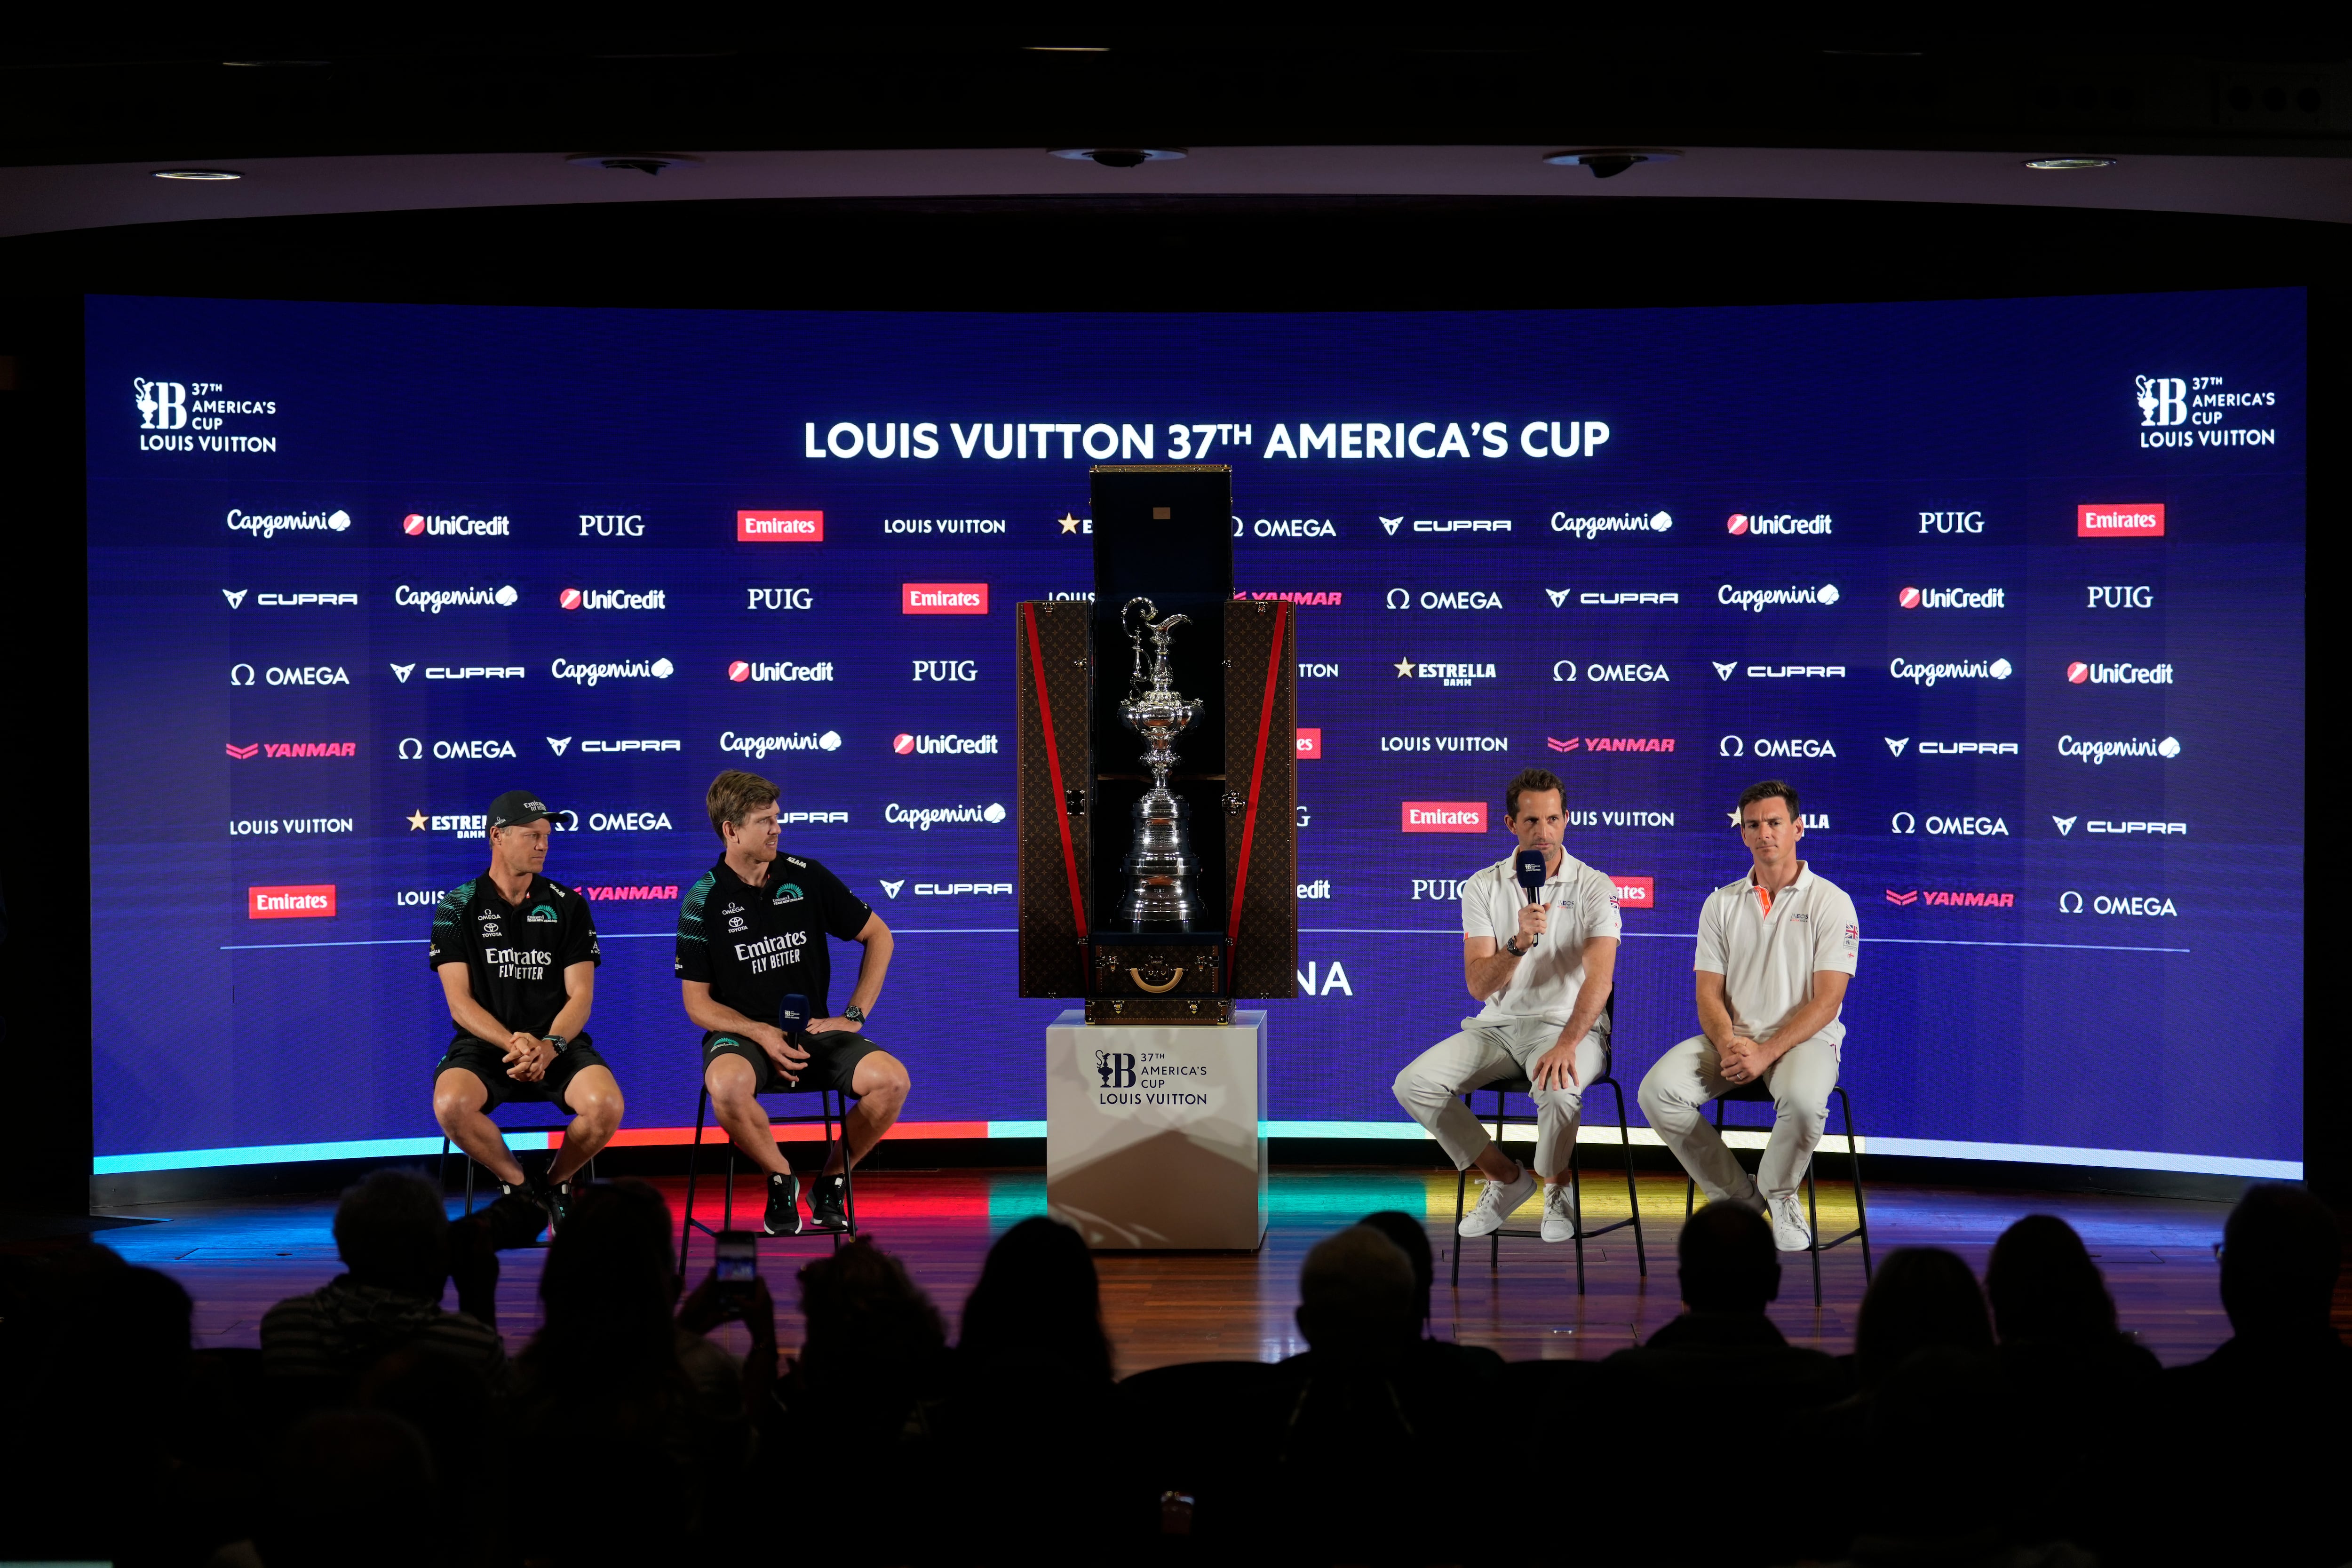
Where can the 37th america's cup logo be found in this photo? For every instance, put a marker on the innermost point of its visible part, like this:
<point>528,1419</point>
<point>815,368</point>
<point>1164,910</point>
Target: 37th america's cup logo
<point>2163,399</point>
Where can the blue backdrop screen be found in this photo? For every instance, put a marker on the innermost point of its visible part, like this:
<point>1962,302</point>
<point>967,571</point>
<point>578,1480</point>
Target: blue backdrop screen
<point>2011,590</point>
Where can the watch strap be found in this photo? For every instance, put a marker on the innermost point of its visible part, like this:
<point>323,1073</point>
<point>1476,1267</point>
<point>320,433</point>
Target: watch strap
<point>854,1013</point>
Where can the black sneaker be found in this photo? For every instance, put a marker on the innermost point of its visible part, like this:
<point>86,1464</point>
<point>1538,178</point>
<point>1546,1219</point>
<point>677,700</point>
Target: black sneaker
<point>829,1202</point>
<point>559,1197</point>
<point>784,1205</point>
<point>517,1216</point>
<point>555,1200</point>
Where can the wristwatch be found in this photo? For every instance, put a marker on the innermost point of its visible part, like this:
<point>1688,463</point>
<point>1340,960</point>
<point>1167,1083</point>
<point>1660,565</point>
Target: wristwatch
<point>558,1041</point>
<point>1511,945</point>
<point>854,1013</point>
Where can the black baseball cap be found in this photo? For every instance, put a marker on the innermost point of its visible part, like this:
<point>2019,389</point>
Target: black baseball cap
<point>520,805</point>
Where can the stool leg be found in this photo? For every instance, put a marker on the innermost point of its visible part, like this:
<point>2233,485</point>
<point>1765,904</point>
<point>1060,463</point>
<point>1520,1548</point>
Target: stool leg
<point>1853,1158</point>
<point>1576,1209</point>
<point>848,1172</point>
<point>1494,1237</point>
<point>469,1184</point>
<point>1632,1194</point>
<point>1461,1192</point>
<point>1813,1221</point>
<point>441,1170</point>
<point>726,1213</point>
<point>693,1160</point>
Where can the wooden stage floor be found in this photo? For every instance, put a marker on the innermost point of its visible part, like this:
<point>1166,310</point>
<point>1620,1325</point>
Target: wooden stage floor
<point>236,1257</point>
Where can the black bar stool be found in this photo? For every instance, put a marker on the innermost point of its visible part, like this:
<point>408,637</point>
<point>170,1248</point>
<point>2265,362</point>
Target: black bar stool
<point>1756,1091</point>
<point>832,1105</point>
<point>1518,1084</point>
<point>441,1177</point>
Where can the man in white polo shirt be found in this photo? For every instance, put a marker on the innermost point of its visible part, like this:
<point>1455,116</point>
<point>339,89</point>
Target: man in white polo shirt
<point>1775,951</point>
<point>1543,970</point>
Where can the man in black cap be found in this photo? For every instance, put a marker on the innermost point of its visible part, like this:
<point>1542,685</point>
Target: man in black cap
<point>517,956</point>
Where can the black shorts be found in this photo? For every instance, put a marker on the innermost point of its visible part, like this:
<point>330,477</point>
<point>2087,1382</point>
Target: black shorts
<point>488,1063</point>
<point>833,1059</point>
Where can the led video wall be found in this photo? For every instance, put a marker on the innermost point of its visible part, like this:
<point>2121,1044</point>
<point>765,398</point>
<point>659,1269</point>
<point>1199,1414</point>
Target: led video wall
<point>2010,590</point>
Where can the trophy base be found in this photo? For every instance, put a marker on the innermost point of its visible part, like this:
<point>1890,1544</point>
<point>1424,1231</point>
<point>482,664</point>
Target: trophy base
<point>1159,1010</point>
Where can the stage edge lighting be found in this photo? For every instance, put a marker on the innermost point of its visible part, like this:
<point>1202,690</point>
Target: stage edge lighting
<point>198,174</point>
<point>2070,162</point>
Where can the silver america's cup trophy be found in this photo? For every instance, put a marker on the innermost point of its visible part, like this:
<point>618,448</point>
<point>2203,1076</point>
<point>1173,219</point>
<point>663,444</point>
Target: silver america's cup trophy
<point>1160,866</point>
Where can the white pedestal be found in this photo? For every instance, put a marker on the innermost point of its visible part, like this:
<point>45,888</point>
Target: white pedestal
<point>1152,1133</point>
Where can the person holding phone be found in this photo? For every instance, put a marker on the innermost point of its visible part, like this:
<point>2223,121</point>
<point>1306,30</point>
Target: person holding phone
<point>1542,962</point>
<point>751,932</point>
<point>517,956</point>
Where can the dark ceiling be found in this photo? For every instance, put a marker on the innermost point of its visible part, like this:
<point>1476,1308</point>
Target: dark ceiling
<point>179,91</point>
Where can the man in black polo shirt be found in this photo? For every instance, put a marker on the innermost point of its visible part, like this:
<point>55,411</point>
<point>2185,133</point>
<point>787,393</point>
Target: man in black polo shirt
<point>517,956</point>
<point>751,932</point>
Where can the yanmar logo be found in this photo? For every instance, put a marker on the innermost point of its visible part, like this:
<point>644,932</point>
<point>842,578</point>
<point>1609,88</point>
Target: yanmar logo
<point>1328,597</point>
<point>1657,743</point>
<point>2111,520</point>
<point>1444,816</point>
<point>312,902</point>
<point>634,894</point>
<point>1950,899</point>
<point>943,598</point>
<point>780,527</point>
<point>281,750</point>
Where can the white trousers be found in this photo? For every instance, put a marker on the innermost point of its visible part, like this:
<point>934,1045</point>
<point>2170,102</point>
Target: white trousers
<point>1430,1088</point>
<point>1676,1091</point>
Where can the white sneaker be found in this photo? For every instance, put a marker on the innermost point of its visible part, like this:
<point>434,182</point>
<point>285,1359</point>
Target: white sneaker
<point>1559,1216</point>
<point>1789,1232</point>
<point>1495,1203</point>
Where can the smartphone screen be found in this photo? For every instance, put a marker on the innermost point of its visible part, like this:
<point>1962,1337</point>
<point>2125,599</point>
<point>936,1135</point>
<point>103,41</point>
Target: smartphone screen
<point>739,1257</point>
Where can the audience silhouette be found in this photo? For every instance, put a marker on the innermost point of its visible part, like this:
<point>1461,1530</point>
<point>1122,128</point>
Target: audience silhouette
<point>375,1427</point>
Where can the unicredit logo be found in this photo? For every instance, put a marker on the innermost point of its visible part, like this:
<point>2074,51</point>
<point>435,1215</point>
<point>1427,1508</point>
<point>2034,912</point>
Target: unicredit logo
<point>2079,674</point>
<point>943,598</point>
<point>1444,816</point>
<point>1741,523</point>
<point>1953,598</point>
<point>613,599</point>
<point>780,527</point>
<point>2117,522</point>
<point>945,745</point>
<point>312,902</point>
<point>417,524</point>
<point>750,670</point>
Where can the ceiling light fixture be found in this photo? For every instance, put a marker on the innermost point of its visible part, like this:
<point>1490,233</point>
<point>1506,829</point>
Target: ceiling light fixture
<point>638,163</point>
<point>1121,157</point>
<point>1067,49</point>
<point>2070,162</point>
<point>1608,162</point>
<point>198,174</point>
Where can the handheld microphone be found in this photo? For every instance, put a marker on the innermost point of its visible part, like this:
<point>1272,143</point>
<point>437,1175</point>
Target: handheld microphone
<point>1531,873</point>
<point>793,1016</point>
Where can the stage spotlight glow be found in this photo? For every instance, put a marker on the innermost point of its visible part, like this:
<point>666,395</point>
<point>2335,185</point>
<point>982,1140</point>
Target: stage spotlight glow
<point>638,162</point>
<point>2070,163</point>
<point>1121,157</point>
<point>1608,162</point>
<point>198,174</point>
